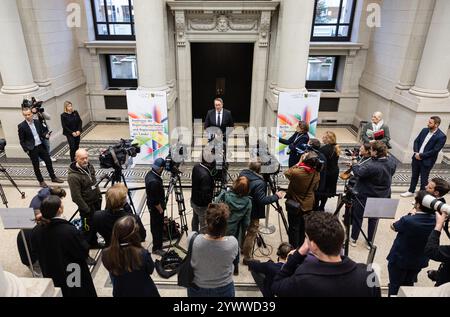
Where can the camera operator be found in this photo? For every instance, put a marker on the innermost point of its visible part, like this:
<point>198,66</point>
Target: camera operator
<point>303,182</point>
<point>156,203</point>
<point>407,257</point>
<point>202,194</point>
<point>300,137</point>
<point>82,181</point>
<point>317,269</point>
<point>32,135</point>
<point>258,194</point>
<point>360,158</point>
<point>374,180</point>
<point>315,145</point>
<point>40,114</point>
<point>439,253</point>
<point>263,273</point>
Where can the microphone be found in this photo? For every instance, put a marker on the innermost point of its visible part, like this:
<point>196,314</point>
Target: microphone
<point>435,204</point>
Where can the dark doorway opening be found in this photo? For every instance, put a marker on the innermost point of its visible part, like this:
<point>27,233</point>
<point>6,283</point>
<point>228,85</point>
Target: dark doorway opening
<point>222,70</point>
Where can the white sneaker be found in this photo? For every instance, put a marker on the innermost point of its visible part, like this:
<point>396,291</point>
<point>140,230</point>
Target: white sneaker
<point>53,159</point>
<point>368,247</point>
<point>407,194</point>
<point>43,164</point>
<point>353,243</point>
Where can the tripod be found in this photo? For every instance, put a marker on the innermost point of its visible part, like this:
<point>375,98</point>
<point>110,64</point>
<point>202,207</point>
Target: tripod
<point>273,188</point>
<point>176,188</point>
<point>114,177</point>
<point>2,192</point>
<point>347,200</point>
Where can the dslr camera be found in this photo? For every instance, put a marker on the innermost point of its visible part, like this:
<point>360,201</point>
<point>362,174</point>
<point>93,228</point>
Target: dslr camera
<point>33,104</point>
<point>352,152</point>
<point>117,155</point>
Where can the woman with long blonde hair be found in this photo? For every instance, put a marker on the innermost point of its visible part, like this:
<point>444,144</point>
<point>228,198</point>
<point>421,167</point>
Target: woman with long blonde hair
<point>72,128</point>
<point>331,151</point>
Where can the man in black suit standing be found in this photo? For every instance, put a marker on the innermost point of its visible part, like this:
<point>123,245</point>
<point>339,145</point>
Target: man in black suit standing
<point>219,117</point>
<point>32,135</point>
<point>427,146</point>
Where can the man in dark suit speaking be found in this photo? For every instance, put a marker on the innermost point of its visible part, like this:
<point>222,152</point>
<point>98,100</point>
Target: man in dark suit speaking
<point>427,146</point>
<point>219,117</point>
<point>31,135</point>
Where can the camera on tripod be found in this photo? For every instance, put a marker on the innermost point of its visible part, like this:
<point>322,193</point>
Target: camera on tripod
<point>349,194</point>
<point>117,155</point>
<point>33,104</point>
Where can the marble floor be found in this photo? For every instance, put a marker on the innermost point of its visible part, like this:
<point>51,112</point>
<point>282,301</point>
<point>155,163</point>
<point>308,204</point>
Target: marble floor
<point>101,134</point>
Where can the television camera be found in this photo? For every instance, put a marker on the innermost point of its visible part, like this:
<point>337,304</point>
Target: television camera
<point>33,104</point>
<point>117,155</point>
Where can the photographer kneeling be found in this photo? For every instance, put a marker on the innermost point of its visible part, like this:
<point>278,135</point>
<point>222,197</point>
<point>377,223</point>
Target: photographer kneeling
<point>374,180</point>
<point>439,253</point>
<point>258,194</point>
<point>326,273</point>
<point>303,182</point>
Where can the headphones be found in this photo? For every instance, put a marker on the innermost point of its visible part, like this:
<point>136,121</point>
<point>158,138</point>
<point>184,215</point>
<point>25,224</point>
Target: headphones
<point>284,249</point>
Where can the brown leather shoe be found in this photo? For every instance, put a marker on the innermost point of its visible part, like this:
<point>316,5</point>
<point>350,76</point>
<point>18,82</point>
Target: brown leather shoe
<point>43,184</point>
<point>57,180</point>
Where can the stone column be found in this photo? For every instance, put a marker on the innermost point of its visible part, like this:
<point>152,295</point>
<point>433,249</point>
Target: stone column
<point>150,44</point>
<point>434,71</point>
<point>295,23</point>
<point>14,62</point>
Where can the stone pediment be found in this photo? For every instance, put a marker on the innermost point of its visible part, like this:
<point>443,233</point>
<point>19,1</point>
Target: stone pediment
<point>223,17</point>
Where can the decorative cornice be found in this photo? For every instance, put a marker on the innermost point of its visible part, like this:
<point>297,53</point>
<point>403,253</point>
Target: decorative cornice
<point>223,6</point>
<point>180,26</point>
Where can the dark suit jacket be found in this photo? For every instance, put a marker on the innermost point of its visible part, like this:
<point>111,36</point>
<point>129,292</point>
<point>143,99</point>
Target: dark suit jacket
<point>408,250</point>
<point>432,149</point>
<point>26,136</point>
<point>294,156</point>
<point>227,120</point>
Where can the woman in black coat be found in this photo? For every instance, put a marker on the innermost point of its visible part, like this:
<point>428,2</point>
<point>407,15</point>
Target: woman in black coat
<point>72,128</point>
<point>295,142</point>
<point>129,264</point>
<point>62,251</point>
<point>116,208</point>
<point>332,152</point>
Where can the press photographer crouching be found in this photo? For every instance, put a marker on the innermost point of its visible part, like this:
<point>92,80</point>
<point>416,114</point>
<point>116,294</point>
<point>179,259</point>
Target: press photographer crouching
<point>439,253</point>
<point>317,269</point>
<point>407,257</point>
<point>202,193</point>
<point>260,199</point>
<point>303,182</point>
<point>374,179</point>
<point>263,273</point>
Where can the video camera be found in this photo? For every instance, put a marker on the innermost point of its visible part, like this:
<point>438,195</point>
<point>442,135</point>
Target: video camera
<point>33,104</point>
<point>353,152</point>
<point>2,144</point>
<point>116,156</point>
<point>349,194</point>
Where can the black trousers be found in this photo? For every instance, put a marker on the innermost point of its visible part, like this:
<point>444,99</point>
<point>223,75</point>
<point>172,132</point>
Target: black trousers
<point>41,151</point>
<point>87,217</point>
<point>74,145</point>
<point>156,227</point>
<point>418,169</point>
<point>296,231</point>
<point>358,217</point>
<point>401,277</point>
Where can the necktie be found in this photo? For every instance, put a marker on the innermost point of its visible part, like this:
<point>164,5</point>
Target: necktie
<point>219,122</point>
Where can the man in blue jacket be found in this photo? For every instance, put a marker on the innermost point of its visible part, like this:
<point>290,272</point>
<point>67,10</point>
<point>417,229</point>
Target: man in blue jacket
<point>407,256</point>
<point>426,150</point>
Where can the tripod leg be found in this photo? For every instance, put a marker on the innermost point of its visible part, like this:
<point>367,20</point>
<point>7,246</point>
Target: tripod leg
<point>12,181</point>
<point>129,195</point>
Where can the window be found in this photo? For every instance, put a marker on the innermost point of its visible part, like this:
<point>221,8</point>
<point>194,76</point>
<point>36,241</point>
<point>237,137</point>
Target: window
<point>333,20</point>
<point>122,70</point>
<point>322,72</point>
<point>113,19</point>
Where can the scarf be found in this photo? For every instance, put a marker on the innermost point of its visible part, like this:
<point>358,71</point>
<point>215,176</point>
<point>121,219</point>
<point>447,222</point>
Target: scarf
<point>307,168</point>
<point>377,127</point>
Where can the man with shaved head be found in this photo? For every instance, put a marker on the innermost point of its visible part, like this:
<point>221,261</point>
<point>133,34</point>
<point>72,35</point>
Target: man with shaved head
<point>376,130</point>
<point>84,193</point>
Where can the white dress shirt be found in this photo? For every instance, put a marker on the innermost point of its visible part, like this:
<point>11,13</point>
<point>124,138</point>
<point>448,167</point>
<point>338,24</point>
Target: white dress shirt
<point>425,142</point>
<point>37,139</point>
<point>221,117</point>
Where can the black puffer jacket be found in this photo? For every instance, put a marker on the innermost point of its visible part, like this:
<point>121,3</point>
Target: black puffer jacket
<point>258,193</point>
<point>202,186</point>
